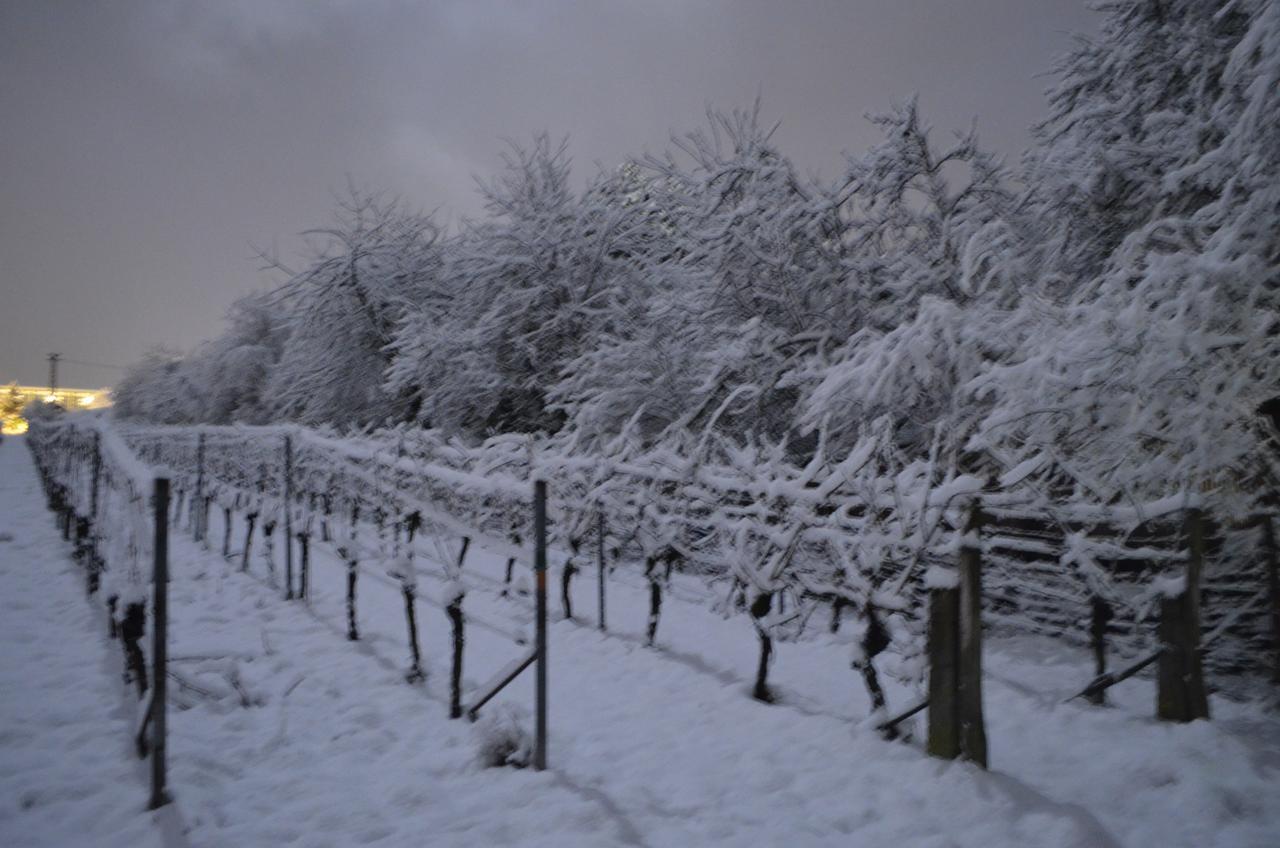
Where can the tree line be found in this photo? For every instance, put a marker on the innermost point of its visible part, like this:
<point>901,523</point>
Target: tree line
<point>1101,317</point>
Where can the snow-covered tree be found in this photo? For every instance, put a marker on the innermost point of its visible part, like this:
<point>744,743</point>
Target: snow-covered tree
<point>342,312</point>
<point>1150,378</point>
<point>525,288</point>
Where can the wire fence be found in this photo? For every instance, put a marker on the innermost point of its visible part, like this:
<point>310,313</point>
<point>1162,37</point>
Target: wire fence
<point>750,526</point>
<point>796,550</point>
<point>115,509</point>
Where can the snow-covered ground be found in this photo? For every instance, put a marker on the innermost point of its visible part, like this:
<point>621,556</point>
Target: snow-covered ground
<point>283,732</point>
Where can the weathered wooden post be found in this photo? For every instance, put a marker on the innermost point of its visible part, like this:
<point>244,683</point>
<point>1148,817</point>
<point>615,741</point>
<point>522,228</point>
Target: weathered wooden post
<point>1100,614</point>
<point>160,644</point>
<point>453,609</point>
<point>874,640</point>
<point>198,503</point>
<point>1273,586</point>
<point>64,515</point>
<point>133,629</point>
<point>408,587</point>
<point>600,561</point>
<point>226,531</point>
<point>567,572</point>
<point>113,631</point>
<point>304,563</point>
<point>288,518</point>
<point>760,608</point>
<point>96,478</point>
<point>353,571</point>
<point>540,595</point>
<point>655,599</point>
<point>511,564</point>
<point>667,557</point>
<point>455,592</point>
<point>269,546</point>
<point>944,663</point>
<point>973,730</point>
<point>1180,692</point>
<point>250,519</point>
<point>409,583</point>
<point>327,506</point>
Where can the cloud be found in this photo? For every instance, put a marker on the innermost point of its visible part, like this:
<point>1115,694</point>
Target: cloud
<point>147,145</point>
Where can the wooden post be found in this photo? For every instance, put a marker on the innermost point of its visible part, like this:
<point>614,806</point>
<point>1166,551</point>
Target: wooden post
<point>353,571</point>
<point>205,503</point>
<point>600,562</point>
<point>944,662</point>
<point>415,673</point>
<point>269,548</point>
<point>569,569</point>
<point>408,587</point>
<point>1193,528</point>
<point>324,519</point>
<point>655,598</point>
<point>96,478</point>
<point>133,629</point>
<point>1099,617</point>
<point>1273,587</point>
<point>248,541</point>
<point>760,608</point>
<point>1180,693</point>
<point>454,611</point>
<point>304,563</point>
<point>875,638</point>
<point>288,518</point>
<point>198,499</point>
<point>160,647</point>
<point>506,580</point>
<point>227,530</point>
<point>973,731</point>
<point>540,594</point>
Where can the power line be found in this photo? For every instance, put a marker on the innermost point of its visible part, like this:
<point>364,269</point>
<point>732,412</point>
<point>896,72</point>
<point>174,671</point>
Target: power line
<point>95,364</point>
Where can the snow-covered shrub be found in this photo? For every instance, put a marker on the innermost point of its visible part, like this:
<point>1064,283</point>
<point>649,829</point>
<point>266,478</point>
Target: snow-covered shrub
<point>502,736</point>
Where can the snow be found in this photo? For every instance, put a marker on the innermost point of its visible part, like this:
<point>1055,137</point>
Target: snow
<point>648,747</point>
<point>794,387</point>
<point>937,577</point>
<point>1169,587</point>
<point>67,767</point>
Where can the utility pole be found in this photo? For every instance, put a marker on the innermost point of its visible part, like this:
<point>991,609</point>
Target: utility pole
<point>53,372</point>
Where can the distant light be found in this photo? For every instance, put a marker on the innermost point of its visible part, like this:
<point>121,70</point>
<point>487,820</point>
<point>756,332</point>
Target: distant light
<point>86,400</point>
<point>50,398</point>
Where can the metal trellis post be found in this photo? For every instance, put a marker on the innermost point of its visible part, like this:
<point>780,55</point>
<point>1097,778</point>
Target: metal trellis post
<point>600,561</point>
<point>540,576</point>
<point>159,651</point>
<point>288,518</point>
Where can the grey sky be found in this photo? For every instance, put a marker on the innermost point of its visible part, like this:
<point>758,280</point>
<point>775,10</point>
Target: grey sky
<point>146,146</point>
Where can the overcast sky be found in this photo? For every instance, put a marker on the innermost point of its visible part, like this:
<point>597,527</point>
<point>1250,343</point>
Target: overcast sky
<point>147,147</point>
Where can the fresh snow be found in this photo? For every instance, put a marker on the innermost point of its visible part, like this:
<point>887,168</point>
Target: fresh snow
<point>68,775</point>
<point>282,732</point>
<point>937,577</point>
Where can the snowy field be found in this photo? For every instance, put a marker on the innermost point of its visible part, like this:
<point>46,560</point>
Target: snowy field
<point>284,733</point>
